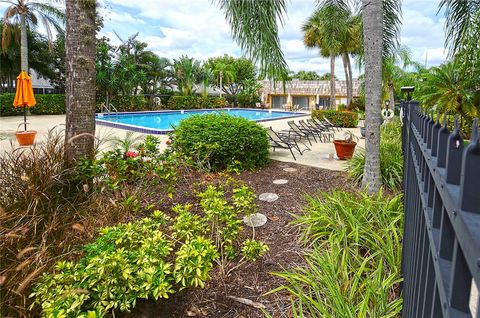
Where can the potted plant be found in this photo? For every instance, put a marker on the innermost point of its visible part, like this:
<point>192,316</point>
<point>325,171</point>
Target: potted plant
<point>25,137</point>
<point>345,147</point>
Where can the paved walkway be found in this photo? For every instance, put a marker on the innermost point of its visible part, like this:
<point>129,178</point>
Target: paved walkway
<point>319,156</point>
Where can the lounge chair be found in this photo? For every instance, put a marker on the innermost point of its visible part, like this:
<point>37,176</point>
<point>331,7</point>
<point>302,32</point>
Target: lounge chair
<point>322,135</point>
<point>302,132</point>
<point>324,129</point>
<point>279,141</point>
<point>329,123</point>
<point>323,124</point>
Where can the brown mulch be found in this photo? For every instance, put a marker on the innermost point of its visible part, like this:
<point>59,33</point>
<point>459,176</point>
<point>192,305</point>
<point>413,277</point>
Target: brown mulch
<point>252,280</point>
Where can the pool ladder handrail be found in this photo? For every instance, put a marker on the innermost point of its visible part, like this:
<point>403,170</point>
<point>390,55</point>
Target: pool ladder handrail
<point>109,109</point>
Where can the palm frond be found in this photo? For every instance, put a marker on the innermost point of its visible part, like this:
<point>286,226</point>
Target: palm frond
<point>458,14</point>
<point>392,21</point>
<point>254,27</point>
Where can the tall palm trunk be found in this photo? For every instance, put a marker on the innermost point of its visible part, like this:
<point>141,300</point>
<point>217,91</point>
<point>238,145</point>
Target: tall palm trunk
<point>221,83</point>
<point>332,81</point>
<point>23,43</point>
<point>391,93</point>
<point>373,35</point>
<point>350,74</point>
<point>81,74</point>
<point>348,77</point>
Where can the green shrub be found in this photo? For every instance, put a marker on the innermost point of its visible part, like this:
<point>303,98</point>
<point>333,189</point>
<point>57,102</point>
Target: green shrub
<point>338,118</point>
<point>391,158</point>
<point>195,102</point>
<point>130,103</point>
<point>220,141</point>
<point>354,267</point>
<point>148,258</point>
<point>48,104</point>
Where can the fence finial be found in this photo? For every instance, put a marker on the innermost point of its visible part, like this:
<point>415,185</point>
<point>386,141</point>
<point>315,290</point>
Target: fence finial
<point>456,129</point>
<point>474,136</point>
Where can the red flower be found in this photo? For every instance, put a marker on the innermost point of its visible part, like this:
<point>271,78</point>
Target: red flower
<point>131,154</point>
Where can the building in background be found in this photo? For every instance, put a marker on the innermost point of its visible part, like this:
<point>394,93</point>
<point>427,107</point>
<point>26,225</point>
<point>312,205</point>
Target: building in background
<point>306,94</point>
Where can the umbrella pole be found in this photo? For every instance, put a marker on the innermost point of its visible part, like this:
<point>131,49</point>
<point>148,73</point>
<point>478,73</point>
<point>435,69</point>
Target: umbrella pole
<point>24,118</point>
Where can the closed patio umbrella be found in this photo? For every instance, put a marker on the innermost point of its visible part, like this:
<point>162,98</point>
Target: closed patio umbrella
<point>24,95</point>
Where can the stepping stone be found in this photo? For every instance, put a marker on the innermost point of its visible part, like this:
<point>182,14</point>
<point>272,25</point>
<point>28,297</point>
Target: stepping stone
<point>280,181</point>
<point>268,197</point>
<point>255,220</point>
<point>290,169</point>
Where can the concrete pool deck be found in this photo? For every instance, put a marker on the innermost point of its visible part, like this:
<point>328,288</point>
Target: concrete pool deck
<point>317,157</point>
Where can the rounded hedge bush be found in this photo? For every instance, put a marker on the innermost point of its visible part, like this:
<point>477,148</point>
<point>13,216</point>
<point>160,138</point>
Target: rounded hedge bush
<point>219,141</point>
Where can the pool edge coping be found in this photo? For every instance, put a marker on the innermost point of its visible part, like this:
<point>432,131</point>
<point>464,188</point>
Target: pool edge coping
<point>153,131</point>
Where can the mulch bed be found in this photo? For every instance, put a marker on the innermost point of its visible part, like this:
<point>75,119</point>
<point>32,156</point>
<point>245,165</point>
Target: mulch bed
<point>252,280</point>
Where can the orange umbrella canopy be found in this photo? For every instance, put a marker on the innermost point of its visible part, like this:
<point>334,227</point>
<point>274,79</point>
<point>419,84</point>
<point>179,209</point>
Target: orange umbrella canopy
<point>24,95</point>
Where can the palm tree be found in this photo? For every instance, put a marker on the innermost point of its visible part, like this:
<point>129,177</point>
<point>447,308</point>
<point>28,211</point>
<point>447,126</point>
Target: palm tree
<point>25,13</point>
<point>352,45</point>
<point>392,66</point>
<point>373,37</point>
<point>447,89</point>
<point>326,29</point>
<point>254,27</point>
<point>81,76</point>
<point>223,71</point>
<point>187,72</point>
<point>207,76</point>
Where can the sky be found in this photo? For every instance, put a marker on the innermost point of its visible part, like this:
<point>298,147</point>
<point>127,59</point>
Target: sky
<point>197,28</point>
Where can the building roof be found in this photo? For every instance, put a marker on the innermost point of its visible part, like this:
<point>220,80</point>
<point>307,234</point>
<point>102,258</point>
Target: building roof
<point>39,82</point>
<point>297,87</point>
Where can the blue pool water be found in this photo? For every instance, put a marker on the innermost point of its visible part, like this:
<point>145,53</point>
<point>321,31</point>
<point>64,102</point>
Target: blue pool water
<point>158,122</point>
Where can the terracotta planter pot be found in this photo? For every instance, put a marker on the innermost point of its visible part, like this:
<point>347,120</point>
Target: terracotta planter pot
<point>26,138</point>
<point>344,149</point>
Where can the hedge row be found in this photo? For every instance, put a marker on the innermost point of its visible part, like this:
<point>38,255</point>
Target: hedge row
<point>195,102</point>
<point>51,104</point>
<point>54,104</point>
<point>338,118</point>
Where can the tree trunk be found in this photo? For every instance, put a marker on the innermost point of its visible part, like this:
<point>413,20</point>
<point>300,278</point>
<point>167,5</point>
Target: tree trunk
<point>23,43</point>
<point>350,89</point>
<point>345,59</point>
<point>221,84</point>
<point>81,74</point>
<point>392,94</point>
<point>373,35</point>
<point>332,82</point>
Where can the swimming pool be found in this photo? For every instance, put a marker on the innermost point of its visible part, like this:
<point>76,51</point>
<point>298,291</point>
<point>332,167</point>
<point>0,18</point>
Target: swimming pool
<point>161,122</point>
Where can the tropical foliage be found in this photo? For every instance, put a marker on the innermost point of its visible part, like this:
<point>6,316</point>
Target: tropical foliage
<point>21,15</point>
<point>353,267</point>
<point>391,158</point>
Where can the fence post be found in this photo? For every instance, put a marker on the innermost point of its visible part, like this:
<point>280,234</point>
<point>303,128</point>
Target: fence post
<point>441,242</point>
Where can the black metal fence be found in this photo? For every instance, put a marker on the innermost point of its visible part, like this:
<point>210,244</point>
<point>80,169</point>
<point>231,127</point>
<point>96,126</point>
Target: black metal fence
<point>441,247</point>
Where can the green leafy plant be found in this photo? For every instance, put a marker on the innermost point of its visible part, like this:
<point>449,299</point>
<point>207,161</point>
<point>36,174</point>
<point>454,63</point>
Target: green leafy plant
<point>253,249</point>
<point>353,269</point>
<point>244,200</point>
<point>338,118</point>
<point>220,141</point>
<point>194,260</point>
<point>125,263</point>
<point>391,158</point>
